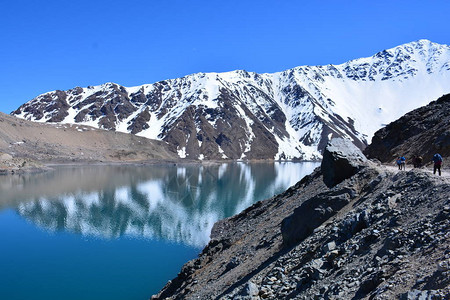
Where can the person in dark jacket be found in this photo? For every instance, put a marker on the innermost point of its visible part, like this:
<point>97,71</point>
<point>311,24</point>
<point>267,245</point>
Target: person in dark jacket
<point>417,161</point>
<point>437,159</point>
<point>399,163</point>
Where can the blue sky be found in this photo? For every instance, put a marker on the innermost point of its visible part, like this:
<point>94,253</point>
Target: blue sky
<point>50,45</point>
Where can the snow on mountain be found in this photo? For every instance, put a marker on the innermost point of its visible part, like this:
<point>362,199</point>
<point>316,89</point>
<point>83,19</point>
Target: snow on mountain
<point>245,115</point>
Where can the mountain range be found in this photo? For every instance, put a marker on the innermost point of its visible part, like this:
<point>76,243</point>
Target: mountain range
<point>245,115</point>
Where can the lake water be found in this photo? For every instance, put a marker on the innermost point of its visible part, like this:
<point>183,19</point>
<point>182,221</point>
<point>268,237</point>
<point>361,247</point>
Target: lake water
<point>120,232</point>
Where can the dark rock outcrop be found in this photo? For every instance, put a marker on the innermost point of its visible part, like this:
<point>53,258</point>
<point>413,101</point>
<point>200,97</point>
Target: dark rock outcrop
<point>341,160</point>
<point>313,213</point>
<point>423,132</point>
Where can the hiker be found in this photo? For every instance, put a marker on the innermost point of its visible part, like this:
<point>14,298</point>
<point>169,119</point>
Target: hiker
<point>401,161</point>
<point>417,161</point>
<point>437,159</point>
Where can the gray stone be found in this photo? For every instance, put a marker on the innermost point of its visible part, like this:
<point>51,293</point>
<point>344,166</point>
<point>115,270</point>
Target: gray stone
<point>5,156</point>
<point>341,160</point>
<point>422,295</point>
<point>250,289</point>
<point>443,266</point>
<point>233,263</point>
<point>330,246</point>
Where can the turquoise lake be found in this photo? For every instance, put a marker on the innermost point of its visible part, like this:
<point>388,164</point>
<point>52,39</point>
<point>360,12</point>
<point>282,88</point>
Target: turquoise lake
<point>120,232</point>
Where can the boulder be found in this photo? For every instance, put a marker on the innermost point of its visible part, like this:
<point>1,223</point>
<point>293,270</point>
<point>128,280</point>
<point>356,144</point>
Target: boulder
<point>425,295</point>
<point>5,156</point>
<point>341,160</point>
<point>312,213</point>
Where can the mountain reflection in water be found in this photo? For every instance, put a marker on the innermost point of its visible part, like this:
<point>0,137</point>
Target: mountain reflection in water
<point>179,203</point>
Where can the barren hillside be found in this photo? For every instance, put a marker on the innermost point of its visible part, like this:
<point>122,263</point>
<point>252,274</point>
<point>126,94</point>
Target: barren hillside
<point>55,143</point>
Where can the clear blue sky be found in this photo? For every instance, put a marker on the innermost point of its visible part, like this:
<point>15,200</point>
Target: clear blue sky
<point>50,45</point>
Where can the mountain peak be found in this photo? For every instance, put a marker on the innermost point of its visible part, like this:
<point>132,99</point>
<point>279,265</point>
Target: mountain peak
<point>246,115</point>
<point>426,42</point>
<point>422,47</point>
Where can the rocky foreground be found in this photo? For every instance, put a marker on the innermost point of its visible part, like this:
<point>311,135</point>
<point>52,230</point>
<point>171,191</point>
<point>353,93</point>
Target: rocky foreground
<point>350,230</point>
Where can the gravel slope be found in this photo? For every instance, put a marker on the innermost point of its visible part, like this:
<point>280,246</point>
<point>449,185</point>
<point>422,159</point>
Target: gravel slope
<point>36,144</point>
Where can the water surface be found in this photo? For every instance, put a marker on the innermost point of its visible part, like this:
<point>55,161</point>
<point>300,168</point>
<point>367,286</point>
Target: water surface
<point>120,232</point>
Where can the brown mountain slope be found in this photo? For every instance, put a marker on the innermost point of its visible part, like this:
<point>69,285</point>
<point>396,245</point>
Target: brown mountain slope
<point>54,143</point>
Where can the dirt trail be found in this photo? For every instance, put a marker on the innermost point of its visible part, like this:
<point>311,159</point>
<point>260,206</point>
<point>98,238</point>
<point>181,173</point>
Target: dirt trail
<point>444,172</point>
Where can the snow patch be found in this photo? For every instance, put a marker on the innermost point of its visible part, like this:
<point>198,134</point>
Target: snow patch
<point>182,152</point>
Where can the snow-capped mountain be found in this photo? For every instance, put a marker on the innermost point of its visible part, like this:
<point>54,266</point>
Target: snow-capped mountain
<point>245,115</point>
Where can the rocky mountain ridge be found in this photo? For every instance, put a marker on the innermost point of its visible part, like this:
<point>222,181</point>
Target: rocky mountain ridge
<point>375,234</point>
<point>421,132</point>
<point>245,115</point>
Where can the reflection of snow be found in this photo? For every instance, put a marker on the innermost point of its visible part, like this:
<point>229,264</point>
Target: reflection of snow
<point>222,170</point>
<point>288,175</point>
<point>246,176</point>
<point>182,205</point>
<point>155,195</point>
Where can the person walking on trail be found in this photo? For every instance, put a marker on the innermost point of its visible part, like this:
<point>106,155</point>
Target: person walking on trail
<point>401,162</point>
<point>437,159</point>
<point>417,161</point>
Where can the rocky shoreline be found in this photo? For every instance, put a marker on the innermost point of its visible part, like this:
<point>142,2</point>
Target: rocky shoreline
<point>15,165</point>
<point>375,234</point>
